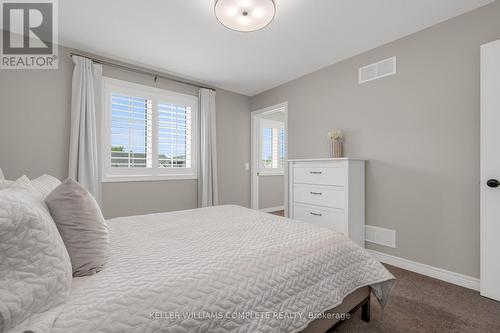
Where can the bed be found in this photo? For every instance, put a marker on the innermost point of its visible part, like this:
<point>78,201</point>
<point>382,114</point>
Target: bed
<point>220,269</point>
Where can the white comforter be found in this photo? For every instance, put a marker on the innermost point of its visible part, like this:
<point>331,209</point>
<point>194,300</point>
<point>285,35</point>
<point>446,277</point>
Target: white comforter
<point>222,269</point>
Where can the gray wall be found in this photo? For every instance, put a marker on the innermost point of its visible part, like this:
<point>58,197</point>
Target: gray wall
<point>233,147</point>
<point>271,191</point>
<point>34,121</point>
<point>419,131</point>
<point>34,139</point>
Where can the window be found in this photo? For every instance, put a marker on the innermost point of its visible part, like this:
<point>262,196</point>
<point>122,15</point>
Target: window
<point>131,132</point>
<point>272,147</point>
<point>148,133</point>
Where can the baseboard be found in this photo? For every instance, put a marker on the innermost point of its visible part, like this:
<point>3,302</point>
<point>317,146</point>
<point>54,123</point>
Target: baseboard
<point>434,272</point>
<point>380,236</point>
<point>272,209</point>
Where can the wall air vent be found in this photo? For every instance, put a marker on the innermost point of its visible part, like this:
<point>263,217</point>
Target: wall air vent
<point>377,70</point>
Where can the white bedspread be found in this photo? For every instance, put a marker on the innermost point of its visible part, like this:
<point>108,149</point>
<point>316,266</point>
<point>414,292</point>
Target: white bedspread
<point>222,269</point>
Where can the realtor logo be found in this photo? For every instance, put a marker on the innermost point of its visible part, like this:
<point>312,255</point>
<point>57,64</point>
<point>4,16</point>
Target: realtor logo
<point>29,34</point>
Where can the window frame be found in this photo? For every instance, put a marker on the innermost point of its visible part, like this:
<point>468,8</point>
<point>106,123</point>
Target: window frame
<point>156,95</point>
<point>267,123</point>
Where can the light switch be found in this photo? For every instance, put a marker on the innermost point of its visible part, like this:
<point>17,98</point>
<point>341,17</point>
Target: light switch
<point>247,166</point>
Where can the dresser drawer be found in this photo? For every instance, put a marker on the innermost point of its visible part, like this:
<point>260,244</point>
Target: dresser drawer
<point>318,195</point>
<point>320,175</point>
<point>329,218</point>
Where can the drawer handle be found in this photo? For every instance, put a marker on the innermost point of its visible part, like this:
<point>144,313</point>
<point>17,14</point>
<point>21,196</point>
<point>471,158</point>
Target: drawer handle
<point>316,214</point>
<point>315,172</point>
<point>316,193</point>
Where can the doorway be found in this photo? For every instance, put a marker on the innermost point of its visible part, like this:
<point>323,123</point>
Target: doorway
<point>269,160</point>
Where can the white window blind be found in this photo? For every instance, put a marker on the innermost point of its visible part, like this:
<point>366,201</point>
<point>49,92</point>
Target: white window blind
<point>131,132</point>
<point>174,136</point>
<point>268,161</point>
<point>150,133</point>
<point>282,148</point>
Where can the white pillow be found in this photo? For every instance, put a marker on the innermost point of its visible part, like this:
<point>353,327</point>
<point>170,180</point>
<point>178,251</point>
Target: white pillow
<point>45,184</point>
<point>5,184</point>
<point>35,267</point>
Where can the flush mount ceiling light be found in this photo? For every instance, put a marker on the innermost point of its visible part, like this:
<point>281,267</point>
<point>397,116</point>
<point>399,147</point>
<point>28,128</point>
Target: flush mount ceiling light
<point>245,15</point>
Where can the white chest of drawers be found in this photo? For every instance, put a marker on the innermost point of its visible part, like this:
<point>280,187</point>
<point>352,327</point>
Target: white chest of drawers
<point>329,193</point>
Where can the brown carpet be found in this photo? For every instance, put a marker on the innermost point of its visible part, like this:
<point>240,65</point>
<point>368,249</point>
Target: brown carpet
<point>279,213</point>
<point>423,304</point>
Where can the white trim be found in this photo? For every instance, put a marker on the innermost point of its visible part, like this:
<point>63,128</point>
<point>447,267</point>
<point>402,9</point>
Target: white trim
<point>272,209</point>
<point>146,178</point>
<point>254,163</point>
<point>326,159</point>
<point>431,271</point>
<point>271,173</point>
<point>254,167</point>
<point>382,236</point>
<point>156,95</point>
<point>272,108</point>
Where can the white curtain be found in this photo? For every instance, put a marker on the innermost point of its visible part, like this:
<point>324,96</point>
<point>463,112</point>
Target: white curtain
<point>83,150</point>
<point>207,176</point>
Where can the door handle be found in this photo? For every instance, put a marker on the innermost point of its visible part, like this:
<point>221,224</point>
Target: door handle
<point>315,172</point>
<point>493,183</point>
<point>316,214</point>
<point>316,193</point>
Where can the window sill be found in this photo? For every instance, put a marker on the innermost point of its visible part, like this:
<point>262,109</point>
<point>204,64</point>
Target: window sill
<point>124,179</point>
<point>267,174</point>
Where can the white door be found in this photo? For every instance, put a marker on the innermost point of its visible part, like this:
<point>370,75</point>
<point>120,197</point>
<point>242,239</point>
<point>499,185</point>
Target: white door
<point>490,170</point>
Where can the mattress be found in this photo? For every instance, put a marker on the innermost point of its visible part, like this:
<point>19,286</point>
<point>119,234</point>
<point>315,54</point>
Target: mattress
<point>219,269</point>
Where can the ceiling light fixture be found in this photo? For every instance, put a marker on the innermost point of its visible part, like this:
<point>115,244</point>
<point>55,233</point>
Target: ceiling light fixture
<point>245,15</point>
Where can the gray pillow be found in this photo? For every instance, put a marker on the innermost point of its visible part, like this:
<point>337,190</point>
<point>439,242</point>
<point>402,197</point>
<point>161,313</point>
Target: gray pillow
<point>81,225</point>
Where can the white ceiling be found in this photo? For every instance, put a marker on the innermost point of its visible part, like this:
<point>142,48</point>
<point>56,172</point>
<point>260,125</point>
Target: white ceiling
<point>184,38</point>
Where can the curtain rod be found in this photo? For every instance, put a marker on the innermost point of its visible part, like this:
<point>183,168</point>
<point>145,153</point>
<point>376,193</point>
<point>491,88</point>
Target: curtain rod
<point>141,71</point>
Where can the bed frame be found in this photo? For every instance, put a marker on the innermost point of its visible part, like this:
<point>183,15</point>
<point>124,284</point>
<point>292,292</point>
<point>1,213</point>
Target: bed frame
<point>360,298</point>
